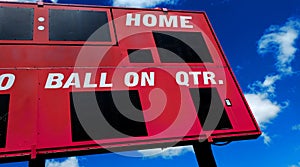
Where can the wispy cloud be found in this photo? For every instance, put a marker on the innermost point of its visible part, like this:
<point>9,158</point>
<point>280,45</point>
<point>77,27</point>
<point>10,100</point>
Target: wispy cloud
<point>69,162</point>
<point>142,3</point>
<point>166,153</point>
<point>267,139</point>
<point>268,86</point>
<point>296,127</point>
<point>280,42</point>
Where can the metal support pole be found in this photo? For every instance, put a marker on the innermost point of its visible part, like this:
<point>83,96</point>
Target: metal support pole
<point>39,162</point>
<point>204,154</point>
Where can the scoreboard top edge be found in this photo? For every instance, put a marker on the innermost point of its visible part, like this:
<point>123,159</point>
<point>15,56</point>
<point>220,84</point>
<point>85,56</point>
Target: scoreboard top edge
<point>41,4</point>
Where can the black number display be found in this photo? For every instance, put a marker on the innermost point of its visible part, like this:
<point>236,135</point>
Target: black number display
<point>4,107</point>
<point>106,115</point>
<point>181,47</point>
<point>208,100</point>
<point>16,23</point>
<point>78,25</point>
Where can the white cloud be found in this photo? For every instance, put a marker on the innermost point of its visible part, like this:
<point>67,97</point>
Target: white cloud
<point>297,165</point>
<point>267,139</point>
<point>296,127</point>
<point>69,162</point>
<point>281,42</point>
<point>263,108</point>
<point>142,3</point>
<point>166,153</point>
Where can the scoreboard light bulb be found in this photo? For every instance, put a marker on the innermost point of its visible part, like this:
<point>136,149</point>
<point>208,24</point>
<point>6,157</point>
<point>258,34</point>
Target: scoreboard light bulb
<point>41,19</point>
<point>41,28</point>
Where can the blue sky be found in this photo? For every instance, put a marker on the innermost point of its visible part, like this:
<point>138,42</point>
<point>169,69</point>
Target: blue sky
<point>261,42</point>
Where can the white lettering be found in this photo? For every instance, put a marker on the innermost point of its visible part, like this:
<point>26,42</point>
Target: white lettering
<point>87,81</point>
<point>73,80</point>
<point>131,79</point>
<point>182,78</point>
<point>184,22</point>
<point>130,19</point>
<point>9,83</point>
<point>103,83</point>
<point>209,76</point>
<point>149,20</point>
<point>164,22</point>
<point>54,81</point>
<point>149,79</point>
<point>195,76</point>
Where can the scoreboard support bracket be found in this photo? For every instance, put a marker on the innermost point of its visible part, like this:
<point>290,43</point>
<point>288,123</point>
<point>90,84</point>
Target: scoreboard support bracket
<point>204,154</point>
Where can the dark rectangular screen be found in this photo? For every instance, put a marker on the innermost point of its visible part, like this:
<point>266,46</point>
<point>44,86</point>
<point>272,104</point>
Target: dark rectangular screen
<point>211,112</point>
<point>140,56</point>
<point>78,25</point>
<point>16,23</point>
<point>4,107</point>
<point>181,47</point>
<point>106,115</point>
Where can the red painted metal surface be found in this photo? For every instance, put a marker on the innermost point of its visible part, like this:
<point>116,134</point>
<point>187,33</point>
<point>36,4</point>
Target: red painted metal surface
<point>39,118</point>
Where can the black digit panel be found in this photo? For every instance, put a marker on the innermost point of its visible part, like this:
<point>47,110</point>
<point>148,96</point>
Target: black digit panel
<point>16,23</point>
<point>78,25</point>
<point>140,56</point>
<point>211,112</point>
<point>181,47</point>
<point>106,115</point>
<point>4,108</point>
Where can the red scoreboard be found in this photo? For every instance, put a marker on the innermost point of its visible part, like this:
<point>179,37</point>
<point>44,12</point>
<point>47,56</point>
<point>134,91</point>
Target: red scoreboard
<point>80,78</point>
